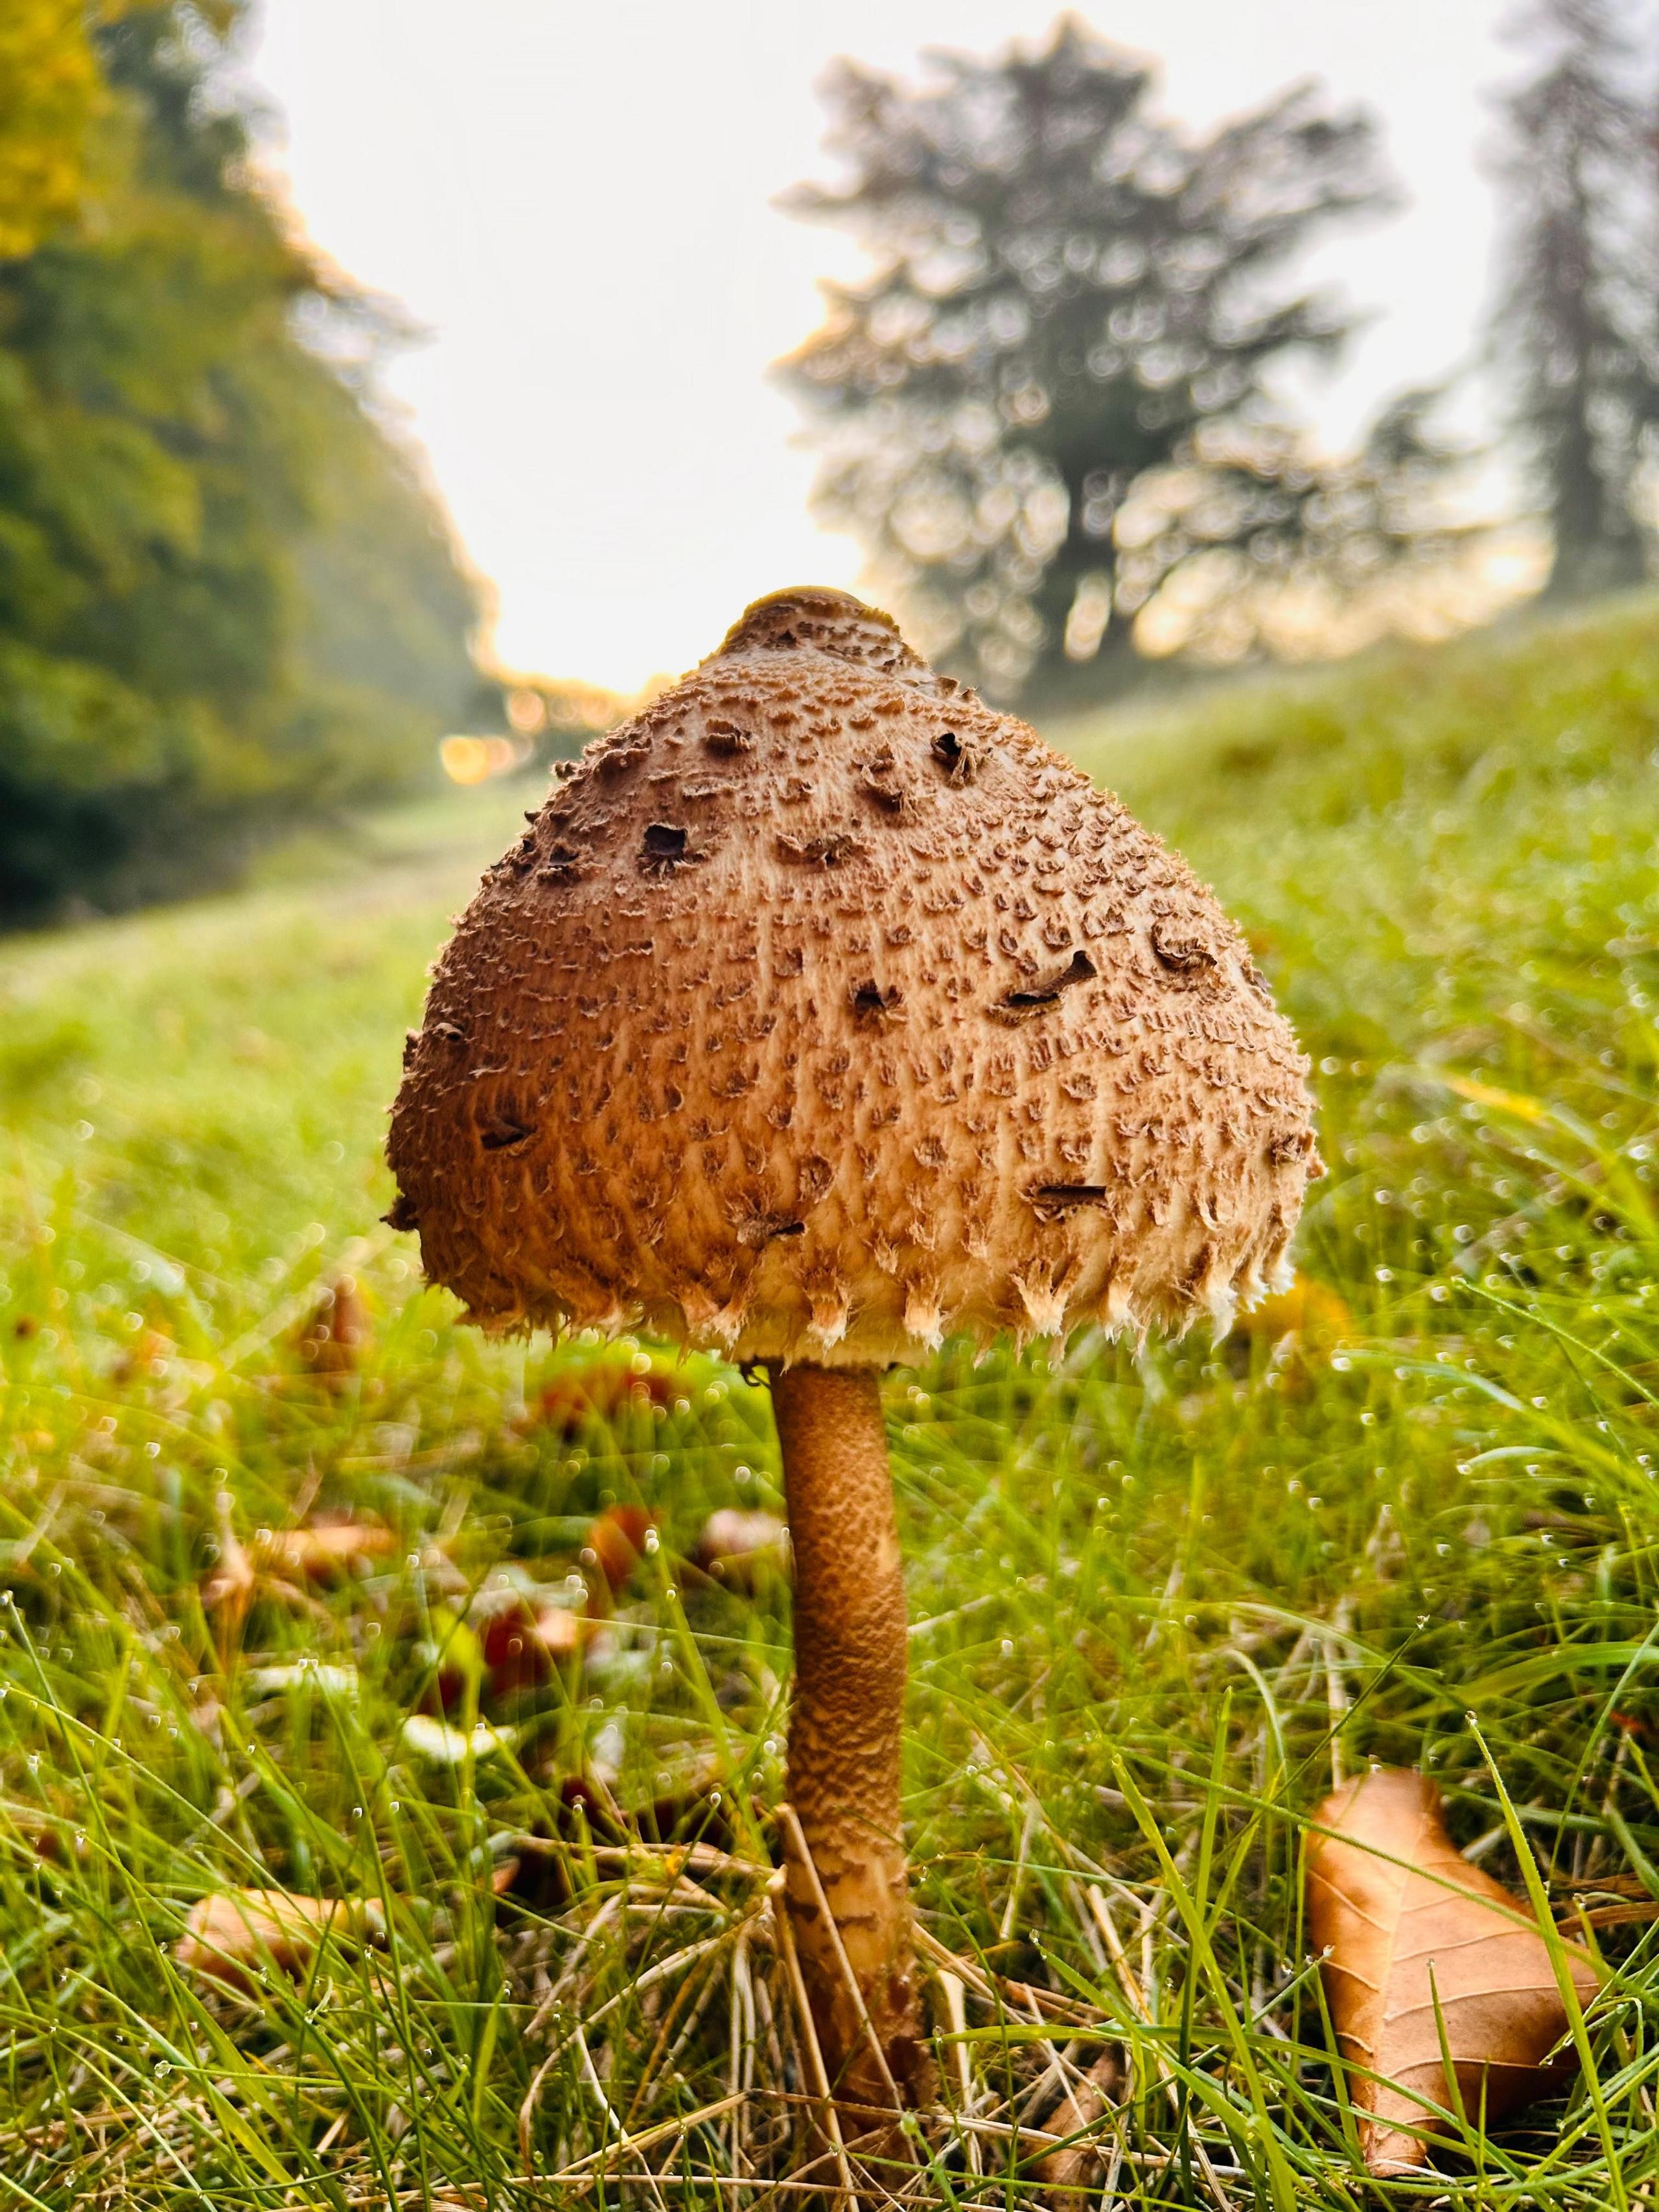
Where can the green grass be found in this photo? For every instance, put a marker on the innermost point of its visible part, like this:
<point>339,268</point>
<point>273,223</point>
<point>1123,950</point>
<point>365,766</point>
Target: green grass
<point>1154,1603</point>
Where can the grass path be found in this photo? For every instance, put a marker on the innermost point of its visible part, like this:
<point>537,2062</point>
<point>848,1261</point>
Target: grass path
<point>1153,1604</point>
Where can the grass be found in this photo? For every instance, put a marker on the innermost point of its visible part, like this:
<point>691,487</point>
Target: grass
<point>1155,1605</point>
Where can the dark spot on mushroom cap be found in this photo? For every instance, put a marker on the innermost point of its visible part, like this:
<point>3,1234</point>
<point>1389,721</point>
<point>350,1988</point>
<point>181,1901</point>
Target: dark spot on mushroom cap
<point>871,1003</point>
<point>665,847</point>
<point>1032,997</point>
<point>1050,1199</point>
<point>960,761</point>
<point>764,1228</point>
<point>499,1131</point>
<point>1181,956</point>
<point>612,760</point>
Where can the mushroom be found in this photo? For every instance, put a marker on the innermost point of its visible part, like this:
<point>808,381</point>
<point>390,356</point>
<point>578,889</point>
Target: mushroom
<point>821,1013</point>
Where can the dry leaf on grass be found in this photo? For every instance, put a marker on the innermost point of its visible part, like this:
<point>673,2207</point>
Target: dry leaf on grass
<point>323,1553</point>
<point>600,1389</point>
<point>1067,2174</point>
<point>231,1935</point>
<point>229,1590</point>
<point>436,1742</point>
<point>525,1636</point>
<point>742,1549</point>
<point>331,1339</point>
<point>1407,1926</point>
<point>617,1541</point>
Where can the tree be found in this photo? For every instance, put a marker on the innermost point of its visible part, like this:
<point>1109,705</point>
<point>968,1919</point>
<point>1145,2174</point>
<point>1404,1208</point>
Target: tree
<point>1255,545</point>
<point>51,92</point>
<point>226,598</point>
<point>1577,321</point>
<point>1067,290</point>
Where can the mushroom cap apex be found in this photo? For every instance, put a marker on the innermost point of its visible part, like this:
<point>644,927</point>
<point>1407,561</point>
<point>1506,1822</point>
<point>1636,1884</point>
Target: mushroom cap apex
<point>817,617</point>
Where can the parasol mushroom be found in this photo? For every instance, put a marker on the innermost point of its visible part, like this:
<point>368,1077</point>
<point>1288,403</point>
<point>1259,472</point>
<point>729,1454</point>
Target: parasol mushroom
<point>820,1012</point>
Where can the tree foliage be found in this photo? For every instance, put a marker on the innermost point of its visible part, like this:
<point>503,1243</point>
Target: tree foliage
<point>225,597</point>
<point>1577,324</point>
<point>1068,293</point>
<point>51,92</point>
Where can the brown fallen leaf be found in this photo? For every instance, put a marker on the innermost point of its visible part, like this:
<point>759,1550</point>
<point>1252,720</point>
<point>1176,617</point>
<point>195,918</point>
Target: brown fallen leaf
<point>742,1549</point>
<point>331,1339</point>
<point>525,1637</point>
<point>597,1391</point>
<point>616,1540</point>
<point>230,1935</point>
<point>325,1552</point>
<point>584,1808</point>
<point>229,1590</point>
<point>1066,2175</point>
<point>1407,1922</point>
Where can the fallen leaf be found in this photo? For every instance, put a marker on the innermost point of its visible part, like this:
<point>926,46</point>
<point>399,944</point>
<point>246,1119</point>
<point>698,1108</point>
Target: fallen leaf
<point>742,1549</point>
<point>230,1935</point>
<point>444,1746</point>
<point>583,1807</point>
<point>229,1590</point>
<point>304,1674</point>
<point>1407,1925</point>
<point>1067,2174</point>
<point>149,1356</point>
<point>323,1553</point>
<point>526,1637</point>
<point>600,1389</point>
<point>617,1541</point>
<point>331,1339</point>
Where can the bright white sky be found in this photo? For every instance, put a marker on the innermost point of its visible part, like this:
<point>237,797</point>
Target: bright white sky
<point>574,199</point>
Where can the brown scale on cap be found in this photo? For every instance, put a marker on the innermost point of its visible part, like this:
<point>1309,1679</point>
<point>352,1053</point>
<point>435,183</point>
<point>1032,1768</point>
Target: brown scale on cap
<point>824,1012</point>
<point>820,1012</point>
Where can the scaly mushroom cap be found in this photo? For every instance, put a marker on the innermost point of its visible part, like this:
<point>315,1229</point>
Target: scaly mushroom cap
<point>823,1011</point>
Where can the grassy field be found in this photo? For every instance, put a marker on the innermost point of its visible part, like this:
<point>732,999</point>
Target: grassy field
<point>1156,1604</point>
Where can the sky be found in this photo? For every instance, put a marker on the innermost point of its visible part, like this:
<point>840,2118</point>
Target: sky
<point>572,202</point>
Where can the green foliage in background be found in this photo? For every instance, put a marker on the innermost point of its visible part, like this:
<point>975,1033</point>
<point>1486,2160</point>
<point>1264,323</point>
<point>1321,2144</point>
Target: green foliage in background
<point>1153,1602</point>
<point>1053,390</point>
<point>1576,324</point>
<point>226,598</point>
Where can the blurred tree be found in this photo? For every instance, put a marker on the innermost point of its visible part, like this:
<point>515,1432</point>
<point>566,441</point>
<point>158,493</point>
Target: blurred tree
<point>50,91</point>
<point>1577,323</point>
<point>1067,291</point>
<point>226,599</point>
<point>1252,544</point>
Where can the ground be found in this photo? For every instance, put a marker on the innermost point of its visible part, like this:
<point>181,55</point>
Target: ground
<point>1156,1601</point>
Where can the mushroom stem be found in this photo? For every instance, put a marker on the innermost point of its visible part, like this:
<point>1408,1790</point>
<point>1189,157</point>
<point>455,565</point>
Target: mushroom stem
<point>844,1734</point>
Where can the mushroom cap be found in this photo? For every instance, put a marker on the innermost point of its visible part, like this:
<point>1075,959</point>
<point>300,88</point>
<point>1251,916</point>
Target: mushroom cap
<point>823,1011</point>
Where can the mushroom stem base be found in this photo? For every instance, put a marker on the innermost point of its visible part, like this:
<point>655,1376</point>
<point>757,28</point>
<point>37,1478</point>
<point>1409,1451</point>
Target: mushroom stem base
<point>845,1737</point>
